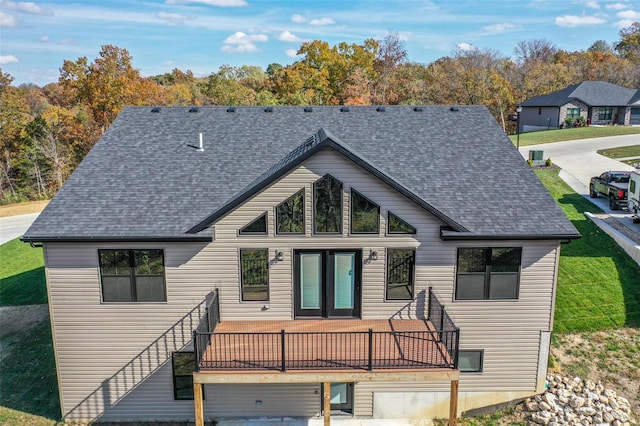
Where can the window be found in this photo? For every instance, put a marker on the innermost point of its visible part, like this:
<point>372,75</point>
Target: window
<point>256,227</point>
<point>399,226</point>
<point>364,215</point>
<point>290,215</point>
<point>184,364</point>
<point>254,274</point>
<point>470,361</point>
<point>605,113</point>
<point>132,275</point>
<point>632,186</point>
<point>488,273</point>
<point>327,206</point>
<point>573,112</point>
<point>400,274</point>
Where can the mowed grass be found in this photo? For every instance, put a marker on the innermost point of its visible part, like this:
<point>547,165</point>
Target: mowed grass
<point>621,151</point>
<point>548,136</point>
<point>28,377</point>
<point>22,279</point>
<point>598,283</point>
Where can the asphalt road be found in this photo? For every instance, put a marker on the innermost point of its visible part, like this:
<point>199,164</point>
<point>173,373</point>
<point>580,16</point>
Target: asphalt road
<point>579,162</point>
<point>15,226</point>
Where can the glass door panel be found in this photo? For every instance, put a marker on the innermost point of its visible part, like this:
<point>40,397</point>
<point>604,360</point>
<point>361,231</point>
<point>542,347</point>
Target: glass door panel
<point>344,280</point>
<point>310,280</point>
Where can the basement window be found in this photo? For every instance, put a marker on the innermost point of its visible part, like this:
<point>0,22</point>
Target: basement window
<point>184,364</point>
<point>470,361</point>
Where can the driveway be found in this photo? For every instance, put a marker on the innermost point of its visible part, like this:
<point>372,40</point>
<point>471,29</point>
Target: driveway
<point>15,226</point>
<point>579,162</point>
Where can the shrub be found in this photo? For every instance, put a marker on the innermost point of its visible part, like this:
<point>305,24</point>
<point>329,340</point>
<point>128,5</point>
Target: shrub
<point>530,163</point>
<point>548,163</point>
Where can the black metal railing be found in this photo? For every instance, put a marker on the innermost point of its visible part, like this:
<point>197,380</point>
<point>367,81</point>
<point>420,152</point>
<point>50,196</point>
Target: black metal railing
<point>319,350</point>
<point>366,350</point>
<point>441,320</point>
<point>211,318</point>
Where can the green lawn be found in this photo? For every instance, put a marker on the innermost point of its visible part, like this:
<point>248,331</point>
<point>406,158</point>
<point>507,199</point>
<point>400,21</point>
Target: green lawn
<point>28,380</point>
<point>22,279</point>
<point>621,152</point>
<point>548,136</point>
<point>597,281</point>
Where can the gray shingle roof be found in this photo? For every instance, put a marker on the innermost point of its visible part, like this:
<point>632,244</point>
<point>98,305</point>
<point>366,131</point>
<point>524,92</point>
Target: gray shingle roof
<point>592,93</point>
<point>142,180</point>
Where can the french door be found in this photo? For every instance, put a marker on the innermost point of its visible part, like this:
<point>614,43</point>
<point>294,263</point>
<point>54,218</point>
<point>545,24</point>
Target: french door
<point>327,283</point>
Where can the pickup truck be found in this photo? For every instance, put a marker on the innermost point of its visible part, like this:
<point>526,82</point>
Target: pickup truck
<point>613,185</point>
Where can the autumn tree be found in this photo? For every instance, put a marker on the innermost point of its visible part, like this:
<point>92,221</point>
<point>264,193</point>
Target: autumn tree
<point>107,85</point>
<point>629,45</point>
<point>391,54</point>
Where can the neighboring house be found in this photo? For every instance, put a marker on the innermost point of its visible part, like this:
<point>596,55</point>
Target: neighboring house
<point>381,262</point>
<point>598,102</point>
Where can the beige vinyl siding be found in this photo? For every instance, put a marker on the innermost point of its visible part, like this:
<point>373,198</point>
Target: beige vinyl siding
<point>109,353</point>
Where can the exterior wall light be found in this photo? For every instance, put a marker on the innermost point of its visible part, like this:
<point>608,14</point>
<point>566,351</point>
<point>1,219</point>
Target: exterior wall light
<point>279,256</point>
<point>373,255</point>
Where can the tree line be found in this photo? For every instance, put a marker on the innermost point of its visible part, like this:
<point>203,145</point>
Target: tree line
<point>46,131</point>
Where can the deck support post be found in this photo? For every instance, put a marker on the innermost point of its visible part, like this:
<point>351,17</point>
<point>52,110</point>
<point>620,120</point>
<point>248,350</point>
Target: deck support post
<point>197,402</point>
<point>453,403</point>
<point>326,399</point>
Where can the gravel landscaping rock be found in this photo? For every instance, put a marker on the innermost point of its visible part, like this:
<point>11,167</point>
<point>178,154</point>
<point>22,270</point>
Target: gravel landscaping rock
<point>573,401</point>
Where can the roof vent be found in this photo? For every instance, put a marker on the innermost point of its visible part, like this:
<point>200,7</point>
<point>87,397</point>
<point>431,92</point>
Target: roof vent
<point>193,109</point>
<point>231,109</point>
<point>454,109</point>
<point>381,109</point>
<point>310,141</point>
<point>344,109</point>
<point>418,109</point>
<point>155,109</point>
<point>268,109</point>
<point>308,109</point>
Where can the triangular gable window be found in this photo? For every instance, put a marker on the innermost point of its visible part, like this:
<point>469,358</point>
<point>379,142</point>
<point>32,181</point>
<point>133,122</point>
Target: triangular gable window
<point>256,227</point>
<point>364,214</point>
<point>290,215</point>
<point>399,226</point>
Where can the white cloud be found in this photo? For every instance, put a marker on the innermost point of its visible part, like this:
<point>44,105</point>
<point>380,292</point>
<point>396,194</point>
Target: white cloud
<point>617,6</point>
<point>624,23</point>
<point>26,7</point>
<point>220,3</point>
<point>289,36</point>
<point>298,19</point>
<point>576,21</point>
<point>628,14</point>
<point>44,39</point>
<point>7,20</point>
<point>7,59</point>
<point>242,43</point>
<point>173,19</point>
<point>592,4</point>
<point>292,53</point>
<point>465,47</point>
<point>322,21</point>
<point>499,28</point>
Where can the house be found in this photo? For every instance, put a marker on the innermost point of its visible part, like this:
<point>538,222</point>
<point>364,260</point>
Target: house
<point>598,102</point>
<point>296,262</point>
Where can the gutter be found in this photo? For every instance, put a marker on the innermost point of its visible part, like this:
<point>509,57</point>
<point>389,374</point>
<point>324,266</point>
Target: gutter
<point>111,239</point>
<point>448,235</point>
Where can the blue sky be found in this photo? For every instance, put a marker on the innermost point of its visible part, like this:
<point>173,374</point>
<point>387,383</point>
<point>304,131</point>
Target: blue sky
<point>200,35</point>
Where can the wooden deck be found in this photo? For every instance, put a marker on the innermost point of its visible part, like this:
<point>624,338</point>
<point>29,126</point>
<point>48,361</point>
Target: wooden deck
<point>325,345</point>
